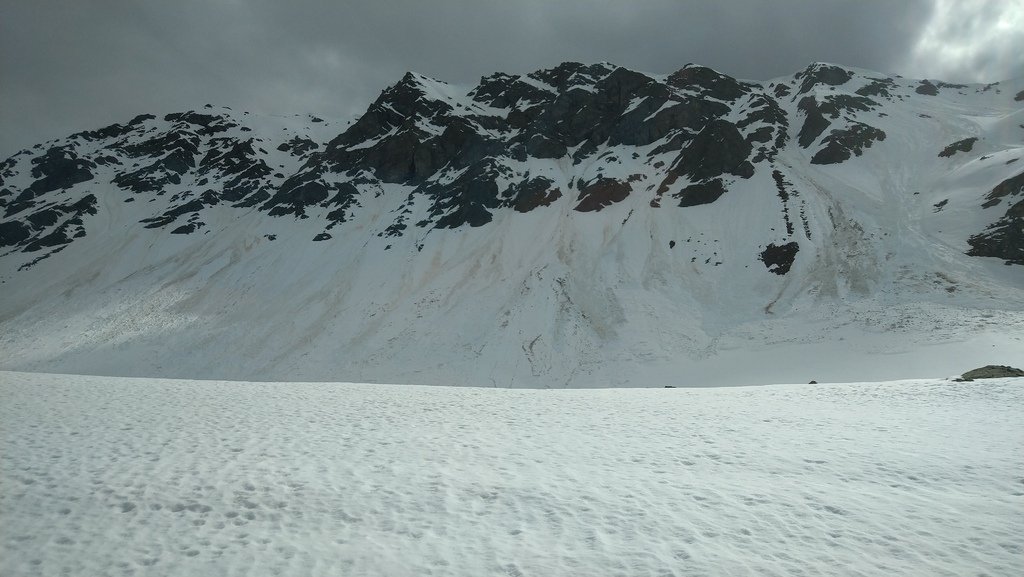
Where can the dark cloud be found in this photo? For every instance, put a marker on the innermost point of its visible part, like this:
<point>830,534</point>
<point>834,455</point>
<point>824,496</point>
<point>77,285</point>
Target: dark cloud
<point>69,65</point>
<point>977,41</point>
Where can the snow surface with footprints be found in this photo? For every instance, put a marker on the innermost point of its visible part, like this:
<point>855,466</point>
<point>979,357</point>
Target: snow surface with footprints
<point>120,476</point>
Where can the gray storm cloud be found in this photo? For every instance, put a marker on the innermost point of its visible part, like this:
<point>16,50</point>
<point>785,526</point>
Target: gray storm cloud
<point>68,65</point>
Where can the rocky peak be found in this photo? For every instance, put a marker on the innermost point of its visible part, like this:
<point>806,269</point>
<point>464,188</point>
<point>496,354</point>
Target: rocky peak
<point>400,105</point>
<point>568,75</point>
<point>114,130</point>
<point>708,83</point>
<point>203,124</point>
<point>507,91</point>
<point>623,86</point>
<point>821,73</point>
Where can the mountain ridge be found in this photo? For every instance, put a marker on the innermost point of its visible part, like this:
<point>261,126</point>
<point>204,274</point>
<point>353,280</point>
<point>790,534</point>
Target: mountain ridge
<point>610,198</point>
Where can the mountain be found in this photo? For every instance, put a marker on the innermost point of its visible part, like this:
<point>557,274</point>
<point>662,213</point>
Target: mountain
<point>585,225</point>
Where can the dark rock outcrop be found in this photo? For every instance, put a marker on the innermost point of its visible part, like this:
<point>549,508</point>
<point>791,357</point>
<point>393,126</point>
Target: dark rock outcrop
<point>1013,186</point>
<point>601,192</point>
<point>170,155</point>
<point>778,258</point>
<point>815,122</point>
<point>701,193</point>
<point>194,206</point>
<point>716,150</point>
<point>470,198</point>
<point>822,74</point>
<point>54,227</point>
<point>59,168</point>
<point>964,145</point>
<point>114,130</point>
<point>298,146</point>
<point>878,87</point>
<point>532,193</point>
<point>1003,239</point>
<point>992,372</point>
<point>708,83</point>
<point>840,145</point>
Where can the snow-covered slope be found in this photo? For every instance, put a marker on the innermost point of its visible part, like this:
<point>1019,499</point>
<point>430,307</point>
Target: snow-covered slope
<point>107,476</point>
<point>583,225</point>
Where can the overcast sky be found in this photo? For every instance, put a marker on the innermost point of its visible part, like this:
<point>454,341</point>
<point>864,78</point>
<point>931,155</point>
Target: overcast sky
<point>69,65</point>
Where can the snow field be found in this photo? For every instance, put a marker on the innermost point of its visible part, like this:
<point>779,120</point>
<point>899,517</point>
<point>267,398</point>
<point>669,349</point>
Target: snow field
<point>119,476</point>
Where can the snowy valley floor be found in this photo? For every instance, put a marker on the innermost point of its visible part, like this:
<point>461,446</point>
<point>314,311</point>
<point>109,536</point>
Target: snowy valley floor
<point>122,476</point>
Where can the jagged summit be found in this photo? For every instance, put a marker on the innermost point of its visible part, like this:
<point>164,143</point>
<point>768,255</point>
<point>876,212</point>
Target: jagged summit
<point>604,198</point>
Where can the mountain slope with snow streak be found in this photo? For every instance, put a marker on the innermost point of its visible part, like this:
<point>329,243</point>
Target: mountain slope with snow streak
<point>578,226</point>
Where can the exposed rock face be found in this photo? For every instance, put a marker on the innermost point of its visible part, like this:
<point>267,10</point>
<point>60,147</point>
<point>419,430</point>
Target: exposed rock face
<point>841,144</point>
<point>52,227</point>
<point>533,193</point>
<point>298,146</point>
<point>992,372</point>
<point>600,193</point>
<point>964,145</point>
<point>835,107</point>
<point>167,156</point>
<point>58,168</point>
<point>878,87</point>
<point>822,74</point>
<point>414,137</point>
<point>600,134</point>
<point>779,258</point>
<point>814,121</point>
<point>718,149</point>
<point>1004,238</point>
<point>470,198</point>
<point>701,192</point>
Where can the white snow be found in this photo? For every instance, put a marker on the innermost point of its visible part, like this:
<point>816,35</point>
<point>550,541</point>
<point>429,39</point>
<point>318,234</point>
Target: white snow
<point>119,476</point>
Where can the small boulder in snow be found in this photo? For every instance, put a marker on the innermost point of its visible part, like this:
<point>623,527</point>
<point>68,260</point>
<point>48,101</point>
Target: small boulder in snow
<point>991,372</point>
